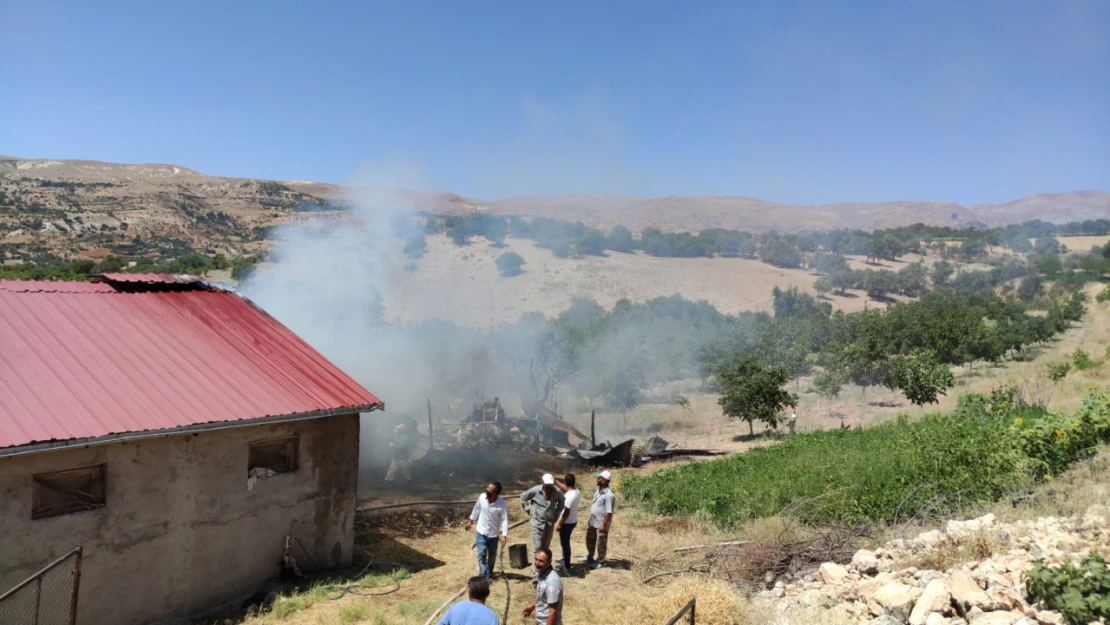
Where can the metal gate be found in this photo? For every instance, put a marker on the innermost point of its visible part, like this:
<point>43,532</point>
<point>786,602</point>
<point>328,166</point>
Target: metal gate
<point>48,597</point>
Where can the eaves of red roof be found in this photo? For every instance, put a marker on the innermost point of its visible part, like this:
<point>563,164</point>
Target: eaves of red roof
<point>87,361</point>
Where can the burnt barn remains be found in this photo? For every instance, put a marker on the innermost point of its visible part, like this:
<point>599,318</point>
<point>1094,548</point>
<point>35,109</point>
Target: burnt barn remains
<point>443,443</point>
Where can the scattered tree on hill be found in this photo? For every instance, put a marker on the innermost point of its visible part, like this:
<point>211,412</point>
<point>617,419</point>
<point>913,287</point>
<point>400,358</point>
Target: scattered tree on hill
<point>920,377</point>
<point>752,392</point>
<point>884,247</point>
<point>1020,243</point>
<point>1030,288</point>
<point>912,280</point>
<point>188,263</point>
<point>1057,371</point>
<point>828,262</point>
<point>828,384</point>
<point>496,231</point>
<point>822,285</point>
<point>942,271</point>
<point>1049,264</point>
<point>510,264</point>
<point>592,243</point>
<point>1047,245</point>
<point>620,240</point>
<point>780,253</point>
<point>83,266</point>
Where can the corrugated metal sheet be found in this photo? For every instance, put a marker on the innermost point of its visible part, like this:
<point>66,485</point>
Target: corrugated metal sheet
<point>83,360</point>
<point>158,278</point>
<point>49,286</point>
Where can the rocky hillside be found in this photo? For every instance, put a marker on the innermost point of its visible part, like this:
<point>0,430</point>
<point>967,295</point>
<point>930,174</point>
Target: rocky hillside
<point>969,572</point>
<point>71,208</point>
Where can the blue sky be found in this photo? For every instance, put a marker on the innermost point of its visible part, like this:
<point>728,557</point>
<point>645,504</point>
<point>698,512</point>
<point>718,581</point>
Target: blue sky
<point>800,102</point>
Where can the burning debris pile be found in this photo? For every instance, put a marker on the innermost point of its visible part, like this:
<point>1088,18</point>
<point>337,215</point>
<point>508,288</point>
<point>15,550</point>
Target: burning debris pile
<point>447,448</point>
<point>545,431</point>
<point>542,431</point>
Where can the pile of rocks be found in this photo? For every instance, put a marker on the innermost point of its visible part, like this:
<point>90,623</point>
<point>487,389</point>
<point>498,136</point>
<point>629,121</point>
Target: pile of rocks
<point>982,585</point>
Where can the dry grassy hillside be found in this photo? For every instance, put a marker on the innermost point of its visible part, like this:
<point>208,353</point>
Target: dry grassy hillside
<point>464,285</point>
<point>70,208</point>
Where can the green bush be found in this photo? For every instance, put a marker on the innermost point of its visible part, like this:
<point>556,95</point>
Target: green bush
<point>884,473</point>
<point>1080,593</point>
<point>1054,441</point>
<point>1083,361</point>
<point>510,264</point>
<point>1104,294</point>
<point>978,452</point>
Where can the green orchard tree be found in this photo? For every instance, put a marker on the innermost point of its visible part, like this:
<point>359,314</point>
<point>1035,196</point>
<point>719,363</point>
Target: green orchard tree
<point>752,392</point>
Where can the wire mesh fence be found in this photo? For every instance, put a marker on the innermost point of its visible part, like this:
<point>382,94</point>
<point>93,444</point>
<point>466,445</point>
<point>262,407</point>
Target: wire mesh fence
<point>48,597</point>
<point>687,611</point>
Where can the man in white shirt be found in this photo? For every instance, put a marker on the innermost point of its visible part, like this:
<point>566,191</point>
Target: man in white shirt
<point>492,515</point>
<point>569,519</point>
<point>601,516</point>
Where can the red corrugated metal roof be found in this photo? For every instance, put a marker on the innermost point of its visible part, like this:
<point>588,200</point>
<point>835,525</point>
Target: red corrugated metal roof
<point>81,360</point>
<point>161,278</point>
<point>50,286</point>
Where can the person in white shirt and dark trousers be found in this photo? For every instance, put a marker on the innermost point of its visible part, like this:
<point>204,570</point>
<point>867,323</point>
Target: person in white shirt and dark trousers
<point>601,516</point>
<point>492,515</point>
<point>569,519</point>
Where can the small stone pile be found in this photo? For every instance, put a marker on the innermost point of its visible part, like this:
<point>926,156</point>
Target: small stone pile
<point>887,587</point>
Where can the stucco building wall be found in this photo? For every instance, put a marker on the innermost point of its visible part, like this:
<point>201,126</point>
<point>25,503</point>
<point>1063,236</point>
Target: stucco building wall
<point>180,532</point>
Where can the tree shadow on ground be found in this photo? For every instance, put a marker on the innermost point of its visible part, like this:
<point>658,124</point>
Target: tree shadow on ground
<point>620,565</point>
<point>391,550</point>
<point>747,438</point>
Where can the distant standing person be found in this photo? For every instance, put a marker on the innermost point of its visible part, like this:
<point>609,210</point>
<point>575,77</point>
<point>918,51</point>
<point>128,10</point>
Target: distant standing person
<point>601,516</point>
<point>543,503</point>
<point>402,452</point>
<point>492,516</point>
<point>548,606</point>
<point>568,520</point>
<point>473,611</point>
<point>792,422</point>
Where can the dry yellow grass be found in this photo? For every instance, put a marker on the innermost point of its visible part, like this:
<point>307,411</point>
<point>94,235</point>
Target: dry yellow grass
<point>1083,243</point>
<point>717,602</point>
<point>464,283</point>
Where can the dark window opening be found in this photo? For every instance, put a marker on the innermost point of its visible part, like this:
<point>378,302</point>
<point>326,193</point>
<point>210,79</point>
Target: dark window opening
<point>273,456</point>
<point>65,492</point>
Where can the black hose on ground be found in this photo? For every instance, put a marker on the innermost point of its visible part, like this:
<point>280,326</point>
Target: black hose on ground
<point>356,588</point>
<point>508,591</point>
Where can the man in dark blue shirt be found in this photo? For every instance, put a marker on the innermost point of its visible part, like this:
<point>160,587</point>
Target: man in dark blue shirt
<point>472,611</point>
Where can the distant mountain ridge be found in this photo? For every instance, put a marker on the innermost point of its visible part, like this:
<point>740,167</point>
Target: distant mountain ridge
<point>175,201</point>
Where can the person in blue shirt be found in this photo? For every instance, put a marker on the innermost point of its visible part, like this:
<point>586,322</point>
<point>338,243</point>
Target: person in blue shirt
<point>473,611</point>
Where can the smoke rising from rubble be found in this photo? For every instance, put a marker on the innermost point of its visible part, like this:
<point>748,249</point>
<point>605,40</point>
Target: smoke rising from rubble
<point>327,283</point>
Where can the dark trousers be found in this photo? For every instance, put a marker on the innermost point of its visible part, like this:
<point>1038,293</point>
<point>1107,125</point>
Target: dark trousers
<point>487,554</point>
<point>596,539</point>
<point>564,540</point>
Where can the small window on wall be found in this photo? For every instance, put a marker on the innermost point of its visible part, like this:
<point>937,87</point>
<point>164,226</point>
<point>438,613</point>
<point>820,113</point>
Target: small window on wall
<point>64,492</point>
<point>270,457</point>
